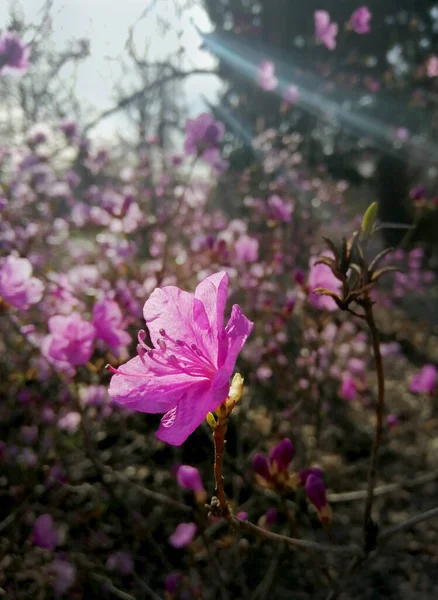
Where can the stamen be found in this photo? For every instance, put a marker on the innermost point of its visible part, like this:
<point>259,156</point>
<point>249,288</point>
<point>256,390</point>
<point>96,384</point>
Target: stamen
<point>162,332</point>
<point>162,344</point>
<point>141,353</point>
<point>180,343</point>
<point>173,360</point>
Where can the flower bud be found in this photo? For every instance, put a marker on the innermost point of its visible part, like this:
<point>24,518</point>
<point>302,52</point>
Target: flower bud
<point>189,478</point>
<point>315,490</point>
<point>369,218</point>
<point>260,466</point>
<point>281,455</point>
<point>211,420</point>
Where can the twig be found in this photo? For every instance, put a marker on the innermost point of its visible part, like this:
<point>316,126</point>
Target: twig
<point>367,305</point>
<point>219,448</point>
<point>390,531</point>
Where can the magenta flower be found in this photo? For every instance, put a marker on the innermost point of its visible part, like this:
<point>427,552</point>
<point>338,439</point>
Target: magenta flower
<point>325,31</point>
<point>186,374</point>
<point>17,286</point>
<point>348,389</point>
<point>70,342</point>
<point>424,381</point>
<point>189,478</point>
<point>14,55</point>
<point>44,533</point>
<point>281,455</point>
<point>266,76</point>
<point>315,490</point>
<point>109,324</point>
<point>360,20</point>
<point>247,249</point>
<point>291,94</point>
<point>183,535</point>
<point>203,136</point>
<point>279,210</point>
<point>273,471</point>
<point>320,276</point>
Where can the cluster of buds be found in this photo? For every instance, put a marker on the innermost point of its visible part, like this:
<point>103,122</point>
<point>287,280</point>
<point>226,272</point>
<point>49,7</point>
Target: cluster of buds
<point>350,267</point>
<point>272,472</point>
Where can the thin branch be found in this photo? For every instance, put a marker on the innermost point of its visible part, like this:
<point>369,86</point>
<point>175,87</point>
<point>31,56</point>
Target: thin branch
<point>390,531</point>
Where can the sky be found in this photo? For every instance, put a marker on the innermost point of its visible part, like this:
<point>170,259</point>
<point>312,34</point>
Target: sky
<point>106,24</point>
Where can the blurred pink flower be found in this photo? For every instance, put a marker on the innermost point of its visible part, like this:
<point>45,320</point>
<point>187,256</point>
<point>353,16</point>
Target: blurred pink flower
<point>120,561</point>
<point>44,533</point>
<point>186,375</point>
<point>70,422</point>
<point>17,286</point>
<point>203,136</point>
<point>64,574</point>
<point>70,342</point>
<point>360,20</point>
<point>279,210</point>
<point>432,66</point>
<point>424,381</point>
<point>348,389</point>
<point>189,478</point>
<point>325,31</point>
<point>291,94</point>
<point>14,54</point>
<point>247,248</point>
<point>266,76</point>
<point>320,276</point>
<point>183,535</point>
<point>109,324</point>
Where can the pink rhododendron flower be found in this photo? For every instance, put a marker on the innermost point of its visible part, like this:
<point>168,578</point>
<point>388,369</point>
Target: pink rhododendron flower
<point>266,76</point>
<point>247,248</point>
<point>186,374</point>
<point>203,136</point>
<point>109,324</point>
<point>183,535</point>
<point>291,94</point>
<point>325,31</point>
<point>70,342</point>
<point>432,66</point>
<point>320,276</point>
<point>14,55</point>
<point>348,389</point>
<point>189,478</point>
<point>17,286</point>
<point>360,20</point>
<point>279,210</point>
<point>44,533</point>
<point>424,381</point>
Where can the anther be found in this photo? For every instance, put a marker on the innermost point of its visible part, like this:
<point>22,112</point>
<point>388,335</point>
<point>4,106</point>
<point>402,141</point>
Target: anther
<point>162,332</point>
<point>162,344</point>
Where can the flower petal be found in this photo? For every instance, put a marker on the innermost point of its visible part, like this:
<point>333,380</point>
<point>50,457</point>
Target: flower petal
<point>147,388</point>
<point>178,423</point>
<point>237,331</point>
<point>212,292</point>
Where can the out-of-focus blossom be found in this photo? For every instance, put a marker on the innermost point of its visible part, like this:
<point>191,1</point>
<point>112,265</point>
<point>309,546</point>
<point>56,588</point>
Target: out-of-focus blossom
<point>432,66</point>
<point>268,519</point>
<point>93,395</point>
<point>203,136</point>
<point>247,248</point>
<point>186,374</point>
<point>392,421</point>
<point>291,94</point>
<point>172,583</point>
<point>266,76</point>
<point>348,389</point>
<point>189,478</point>
<point>424,381</point>
<point>69,127</point>
<point>14,54</point>
<point>17,286</point>
<point>316,493</point>
<point>273,470</point>
<point>183,535</point>
<point>109,324</point>
<point>70,422</point>
<point>320,276</point>
<point>325,31</point>
<point>120,561</point>
<point>242,515</point>
<point>70,342</point>
<point>279,210</point>
<point>281,455</point>
<point>64,575</point>
<point>360,20</point>
<point>44,533</point>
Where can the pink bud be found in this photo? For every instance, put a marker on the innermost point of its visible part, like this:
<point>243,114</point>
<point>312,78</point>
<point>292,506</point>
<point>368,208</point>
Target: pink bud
<point>183,535</point>
<point>189,478</point>
<point>315,490</point>
<point>281,455</point>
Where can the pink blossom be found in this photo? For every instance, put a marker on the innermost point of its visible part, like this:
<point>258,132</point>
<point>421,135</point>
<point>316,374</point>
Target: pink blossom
<point>109,324</point>
<point>266,76</point>
<point>291,94</point>
<point>424,381</point>
<point>325,31</point>
<point>247,248</point>
<point>70,422</point>
<point>44,533</point>
<point>186,374</point>
<point>320,276</point>
<point>189,478</point>
<point>432,66</point>
<point>348,389</point>
<point>315,490</point>
<point>17,286</point>
<point>14,55</point>
<point>65,575</point>
<point>120,561</point>
<point>280,211</point>
<point>360,20</point>
<point>203,136</point>
<point>70,342</point>
<point>183,535</point>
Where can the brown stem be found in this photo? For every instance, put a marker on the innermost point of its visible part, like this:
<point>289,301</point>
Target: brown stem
<point>219,449</point>
<point>379,414</point>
